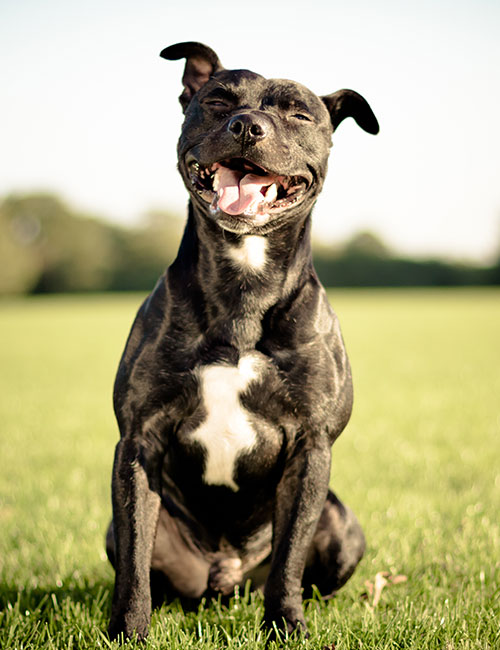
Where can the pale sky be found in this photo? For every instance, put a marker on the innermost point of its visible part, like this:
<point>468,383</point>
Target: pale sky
<point>90,111</point>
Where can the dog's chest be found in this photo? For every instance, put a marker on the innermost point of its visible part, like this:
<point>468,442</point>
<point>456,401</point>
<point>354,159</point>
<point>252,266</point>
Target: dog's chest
<point>227,430</point>
<point>250,254</point>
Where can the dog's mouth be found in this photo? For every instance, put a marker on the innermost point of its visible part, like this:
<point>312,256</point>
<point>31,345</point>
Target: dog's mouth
<point>239,187</point>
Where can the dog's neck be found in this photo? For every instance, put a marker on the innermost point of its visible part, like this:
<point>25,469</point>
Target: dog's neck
<point>237,279</point>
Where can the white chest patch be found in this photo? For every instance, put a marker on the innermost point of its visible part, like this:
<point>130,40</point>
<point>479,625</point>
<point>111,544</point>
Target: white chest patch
<point>250,255</point>
<point>226,431</point>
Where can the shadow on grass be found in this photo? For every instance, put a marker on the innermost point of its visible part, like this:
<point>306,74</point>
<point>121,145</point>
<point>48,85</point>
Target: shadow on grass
<point>76,614</point>
<point>75,608</point>
<point>40,599</point>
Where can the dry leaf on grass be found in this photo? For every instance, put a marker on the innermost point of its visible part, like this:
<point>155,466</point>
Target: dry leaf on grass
<point>374,589</point>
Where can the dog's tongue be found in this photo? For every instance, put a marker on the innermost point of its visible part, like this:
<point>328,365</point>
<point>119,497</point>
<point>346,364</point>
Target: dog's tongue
<point>237,193</point>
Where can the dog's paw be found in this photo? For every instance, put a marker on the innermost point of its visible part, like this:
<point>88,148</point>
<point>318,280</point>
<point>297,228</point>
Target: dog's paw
<point>128,625</point>
<point>225,573</point>
<point>285,623</point>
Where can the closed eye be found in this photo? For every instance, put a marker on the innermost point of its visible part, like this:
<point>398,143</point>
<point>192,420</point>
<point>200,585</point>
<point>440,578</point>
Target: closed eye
<point>301,116</point>
<point>217,103</point>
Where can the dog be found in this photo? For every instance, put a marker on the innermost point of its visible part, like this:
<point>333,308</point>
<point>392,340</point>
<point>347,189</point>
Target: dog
<point>234,381</point>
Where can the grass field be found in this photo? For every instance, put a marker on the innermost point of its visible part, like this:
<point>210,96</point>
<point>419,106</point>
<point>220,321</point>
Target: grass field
<point>419,463</point>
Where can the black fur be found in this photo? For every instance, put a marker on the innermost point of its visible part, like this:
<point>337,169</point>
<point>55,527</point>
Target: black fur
<point>273,519</point>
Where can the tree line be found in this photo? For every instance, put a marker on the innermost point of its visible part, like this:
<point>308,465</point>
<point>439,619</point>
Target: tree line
<point>47,246</point>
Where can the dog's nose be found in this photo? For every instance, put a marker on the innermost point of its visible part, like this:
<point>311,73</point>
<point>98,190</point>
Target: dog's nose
<point>247,127</point>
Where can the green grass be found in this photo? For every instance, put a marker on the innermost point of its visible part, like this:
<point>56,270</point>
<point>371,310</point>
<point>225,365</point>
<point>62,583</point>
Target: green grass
<point>419,464</point>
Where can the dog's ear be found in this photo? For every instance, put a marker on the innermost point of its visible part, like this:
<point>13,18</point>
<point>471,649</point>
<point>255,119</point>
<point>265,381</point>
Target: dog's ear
<point>201,63</point>
<point>348,103</point>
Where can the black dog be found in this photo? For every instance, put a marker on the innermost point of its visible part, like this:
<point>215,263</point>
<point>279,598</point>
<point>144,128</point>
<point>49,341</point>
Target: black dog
<point>235,382</point>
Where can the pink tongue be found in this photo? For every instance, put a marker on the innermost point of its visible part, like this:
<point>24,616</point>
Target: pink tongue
<point>238,194</point>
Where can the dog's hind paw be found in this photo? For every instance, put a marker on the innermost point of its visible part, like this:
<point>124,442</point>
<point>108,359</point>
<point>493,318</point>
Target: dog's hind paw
<point>225,573</point>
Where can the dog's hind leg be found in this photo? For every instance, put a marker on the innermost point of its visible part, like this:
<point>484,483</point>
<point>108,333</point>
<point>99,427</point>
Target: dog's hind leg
<point>337,547</point>
<point>176,557</point>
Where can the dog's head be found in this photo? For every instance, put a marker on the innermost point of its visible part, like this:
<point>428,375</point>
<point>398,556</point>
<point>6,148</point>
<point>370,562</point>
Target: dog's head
<point>253,151</point>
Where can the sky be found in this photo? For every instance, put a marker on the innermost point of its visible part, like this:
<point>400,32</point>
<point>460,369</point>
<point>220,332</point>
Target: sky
<point>89,110</point>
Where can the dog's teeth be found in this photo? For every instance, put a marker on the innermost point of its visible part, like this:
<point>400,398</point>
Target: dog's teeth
<point>214,206</point>
<point>271,193</point>
<point>216,181</point>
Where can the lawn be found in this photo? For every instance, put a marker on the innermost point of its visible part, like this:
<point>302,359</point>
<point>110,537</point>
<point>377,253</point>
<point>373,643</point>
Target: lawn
<point>419,464</point>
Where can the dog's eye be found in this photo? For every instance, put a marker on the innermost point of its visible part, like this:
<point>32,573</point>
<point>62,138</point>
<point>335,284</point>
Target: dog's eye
<point>301,116</point>
<point>217,103</point>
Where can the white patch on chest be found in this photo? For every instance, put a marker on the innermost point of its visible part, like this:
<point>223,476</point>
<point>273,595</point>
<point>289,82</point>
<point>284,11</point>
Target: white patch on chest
<point>250,254</point>
<point>226,431</point>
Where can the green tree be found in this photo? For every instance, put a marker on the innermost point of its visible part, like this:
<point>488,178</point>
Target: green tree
<point>20,269</point>
<point>145,251</point>
<point>62,250</point>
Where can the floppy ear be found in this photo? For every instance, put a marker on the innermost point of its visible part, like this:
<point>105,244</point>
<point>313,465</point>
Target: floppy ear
<point>348,103</point>
<point>201,63</point>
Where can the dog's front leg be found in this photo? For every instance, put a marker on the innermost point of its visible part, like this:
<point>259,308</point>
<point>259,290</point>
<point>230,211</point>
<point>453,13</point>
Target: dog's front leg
<point>136,505</point>
<point>300,498</point>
